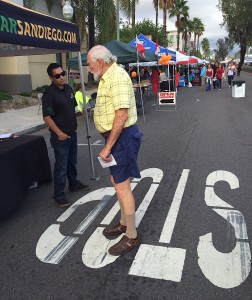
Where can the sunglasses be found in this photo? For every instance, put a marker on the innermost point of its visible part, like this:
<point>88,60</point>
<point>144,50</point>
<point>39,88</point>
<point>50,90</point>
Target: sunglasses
<point>57,76</point>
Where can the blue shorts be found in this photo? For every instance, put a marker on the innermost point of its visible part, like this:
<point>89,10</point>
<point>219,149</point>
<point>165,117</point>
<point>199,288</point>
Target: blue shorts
<point>125,152</point>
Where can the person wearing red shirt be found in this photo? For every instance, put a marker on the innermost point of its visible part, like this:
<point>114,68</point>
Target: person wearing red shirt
<point>219,75</point>
<point>155,79</point>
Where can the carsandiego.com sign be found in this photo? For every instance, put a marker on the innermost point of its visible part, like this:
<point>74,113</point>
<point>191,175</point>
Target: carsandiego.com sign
<point>35,29</point>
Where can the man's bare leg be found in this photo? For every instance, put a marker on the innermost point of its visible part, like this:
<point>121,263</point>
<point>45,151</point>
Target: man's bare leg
<point>127,205</point>
<point>123,218</point>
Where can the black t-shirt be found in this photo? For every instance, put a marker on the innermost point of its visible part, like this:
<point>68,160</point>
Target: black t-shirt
<point>60,104</point>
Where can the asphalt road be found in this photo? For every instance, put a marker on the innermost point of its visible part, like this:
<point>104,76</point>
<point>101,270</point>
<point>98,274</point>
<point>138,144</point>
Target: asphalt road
<point>194,213</point>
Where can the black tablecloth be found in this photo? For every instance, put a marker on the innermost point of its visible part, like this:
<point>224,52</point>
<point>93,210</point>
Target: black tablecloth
<point>23,160</point>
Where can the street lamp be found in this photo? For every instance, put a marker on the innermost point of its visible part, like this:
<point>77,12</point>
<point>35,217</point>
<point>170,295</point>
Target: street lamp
<point>67,10</point>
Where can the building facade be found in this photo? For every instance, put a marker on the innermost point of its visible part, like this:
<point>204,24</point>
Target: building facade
<point>172,40</point>
<point>19,74</point>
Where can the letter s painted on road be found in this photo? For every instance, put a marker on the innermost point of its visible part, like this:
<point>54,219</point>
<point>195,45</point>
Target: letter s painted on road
<point>225,270</point>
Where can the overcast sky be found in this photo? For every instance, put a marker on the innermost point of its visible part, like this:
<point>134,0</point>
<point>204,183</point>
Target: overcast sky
<point>206,10</point>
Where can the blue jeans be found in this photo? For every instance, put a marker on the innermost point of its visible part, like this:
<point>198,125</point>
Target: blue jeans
<point>208,84</point>
<point>65,153</point>
<point>219,81</point>
<point>230,78</point>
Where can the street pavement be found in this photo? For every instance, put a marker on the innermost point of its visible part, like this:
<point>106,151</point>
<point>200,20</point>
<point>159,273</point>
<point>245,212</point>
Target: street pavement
<point>193,213</point>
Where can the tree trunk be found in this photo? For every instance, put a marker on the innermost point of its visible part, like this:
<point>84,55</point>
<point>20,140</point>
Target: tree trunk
<point>156,19</point>
<point>133,15</point>
<point>242,54</point>
<point>164,23</point>
<point>185,42</point>
<point>178,37</point>
<point>91,24</point>
<point>194,41</point>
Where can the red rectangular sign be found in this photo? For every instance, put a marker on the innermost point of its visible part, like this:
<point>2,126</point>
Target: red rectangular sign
<point>167,95</point>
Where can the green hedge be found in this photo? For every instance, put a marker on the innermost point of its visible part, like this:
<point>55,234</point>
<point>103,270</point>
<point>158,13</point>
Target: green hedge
<point>247,68</point>
<point>41,89</point>
<point>5,96</point>
<point>26,94</point>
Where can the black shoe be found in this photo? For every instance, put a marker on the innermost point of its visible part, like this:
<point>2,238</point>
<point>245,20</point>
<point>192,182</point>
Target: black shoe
<point>80,187</point>
<point>62,203</point>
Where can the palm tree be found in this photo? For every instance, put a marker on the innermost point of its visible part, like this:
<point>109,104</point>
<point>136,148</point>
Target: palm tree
<point>180,11</point>
<point>100,17</point>
<point>185,32</point>
<point>199,31</point>
<point>205,47</point>
<point>155,4</point>
<point>105,15</point>
<point>165,5</point>
<point>91,24</point>
<point>84,15</point>
<point>190,28</point>
<point>129,9</point>
<point>196,23</point>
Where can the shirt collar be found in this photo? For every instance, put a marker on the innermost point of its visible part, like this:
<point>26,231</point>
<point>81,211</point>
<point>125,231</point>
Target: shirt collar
<point>57,88</point>
<point>109,72</point>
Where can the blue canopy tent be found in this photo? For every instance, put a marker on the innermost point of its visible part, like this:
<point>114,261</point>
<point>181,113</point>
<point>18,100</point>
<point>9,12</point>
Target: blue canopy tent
<point>151,46</point>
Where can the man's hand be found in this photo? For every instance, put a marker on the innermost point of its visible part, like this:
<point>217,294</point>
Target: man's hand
<point>105,154</point>
<point>62,136</point>
<point>50,123</point>
<point>121,116</point>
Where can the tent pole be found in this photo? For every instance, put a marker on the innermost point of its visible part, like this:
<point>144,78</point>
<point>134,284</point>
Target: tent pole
<point>86,115</point>
<point>140,88</point>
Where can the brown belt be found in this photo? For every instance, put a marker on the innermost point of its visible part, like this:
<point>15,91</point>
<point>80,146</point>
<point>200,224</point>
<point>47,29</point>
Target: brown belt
<point>106,134</point>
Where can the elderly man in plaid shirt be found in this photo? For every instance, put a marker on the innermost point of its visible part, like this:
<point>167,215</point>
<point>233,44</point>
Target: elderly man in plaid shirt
<point>115,117</point>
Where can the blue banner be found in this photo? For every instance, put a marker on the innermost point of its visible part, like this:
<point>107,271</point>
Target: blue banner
<point>151,46</point>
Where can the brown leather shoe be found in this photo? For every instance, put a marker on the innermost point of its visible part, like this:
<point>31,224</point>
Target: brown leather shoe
<point>124,245</point>
<point>115,230</point>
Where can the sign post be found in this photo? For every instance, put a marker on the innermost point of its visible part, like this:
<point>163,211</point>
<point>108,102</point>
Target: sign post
<point>166,101</point>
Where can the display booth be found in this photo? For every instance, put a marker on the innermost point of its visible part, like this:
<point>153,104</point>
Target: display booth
<point>166,99</point>
<point>26,32</point>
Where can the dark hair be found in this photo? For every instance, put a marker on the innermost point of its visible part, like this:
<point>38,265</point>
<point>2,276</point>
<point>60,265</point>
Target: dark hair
<point>78,87</point>
<point>51,67</point>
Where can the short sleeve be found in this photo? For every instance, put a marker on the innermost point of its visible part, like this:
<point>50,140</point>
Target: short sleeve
<point>47,106</point>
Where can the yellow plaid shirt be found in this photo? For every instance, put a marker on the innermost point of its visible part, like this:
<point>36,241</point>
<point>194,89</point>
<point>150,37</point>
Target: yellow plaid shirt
<point>115,91</point>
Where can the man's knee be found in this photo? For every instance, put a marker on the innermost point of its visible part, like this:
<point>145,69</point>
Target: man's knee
<point>122,186</point>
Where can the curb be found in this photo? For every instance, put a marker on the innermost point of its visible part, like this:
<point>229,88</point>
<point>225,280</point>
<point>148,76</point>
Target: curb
<point>29,129</point>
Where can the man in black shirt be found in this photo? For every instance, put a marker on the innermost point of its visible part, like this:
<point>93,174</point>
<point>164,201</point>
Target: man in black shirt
<point>58,103</point>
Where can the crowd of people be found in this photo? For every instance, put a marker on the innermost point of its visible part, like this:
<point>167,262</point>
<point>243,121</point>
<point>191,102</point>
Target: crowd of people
<point>155,76</point>
<point>207,76</point>
<point>210,76</point>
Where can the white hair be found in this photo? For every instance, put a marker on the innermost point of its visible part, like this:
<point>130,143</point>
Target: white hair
<point>101,52</point>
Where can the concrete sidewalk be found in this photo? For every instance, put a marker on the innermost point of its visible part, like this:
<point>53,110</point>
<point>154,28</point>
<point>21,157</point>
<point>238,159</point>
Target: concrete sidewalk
<point>24,120</point>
